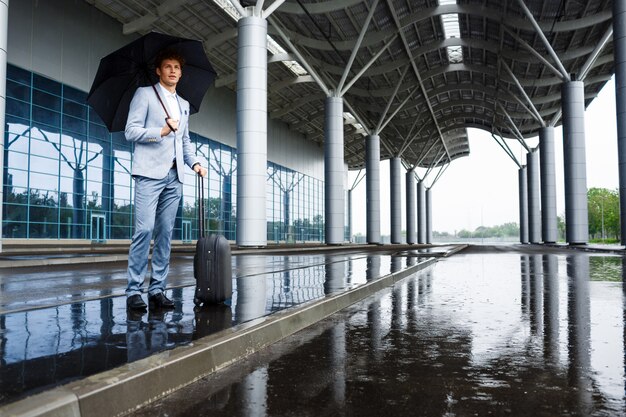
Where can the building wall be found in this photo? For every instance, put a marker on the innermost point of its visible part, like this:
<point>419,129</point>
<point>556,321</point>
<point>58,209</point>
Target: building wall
<point>65,39</point>
<point>62,167</point>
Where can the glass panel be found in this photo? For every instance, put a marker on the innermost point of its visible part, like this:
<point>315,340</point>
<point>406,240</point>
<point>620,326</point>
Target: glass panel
<point>18,108</point>
<point>43,230</point>
<point>46,116</point>
<point>16,178</point>
<point>74,109</point>
<point>44,165</point>
<point>94,117</point>
<point>44,138</point>
<point>13,230</point>
<point>18,91</point>
<point>98,131</point>
<point>46,84</point>
<point>18,74</point>
<point>46,100</point>
<point>42,181</point>
<point>74,94</point>
<point>73,124</point>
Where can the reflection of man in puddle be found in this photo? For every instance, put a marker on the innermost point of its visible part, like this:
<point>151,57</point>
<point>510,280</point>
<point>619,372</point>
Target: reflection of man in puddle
<point>144,339</point>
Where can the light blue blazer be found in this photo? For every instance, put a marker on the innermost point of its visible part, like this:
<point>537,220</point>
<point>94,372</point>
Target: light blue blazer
<point>153,155</point>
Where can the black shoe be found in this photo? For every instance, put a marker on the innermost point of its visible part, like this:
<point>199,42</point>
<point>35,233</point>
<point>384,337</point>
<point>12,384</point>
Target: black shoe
<point>160,301</point>
<point>134,302</point>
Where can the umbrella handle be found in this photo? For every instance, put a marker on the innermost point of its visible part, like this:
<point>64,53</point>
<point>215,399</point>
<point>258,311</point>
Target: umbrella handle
<point>167,122</point>
<point>164,108</point>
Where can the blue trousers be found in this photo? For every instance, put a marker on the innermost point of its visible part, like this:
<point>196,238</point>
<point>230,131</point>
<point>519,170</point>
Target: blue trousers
<point>156,204</point>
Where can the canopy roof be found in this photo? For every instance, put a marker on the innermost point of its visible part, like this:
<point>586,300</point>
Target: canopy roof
<point>419,72</point>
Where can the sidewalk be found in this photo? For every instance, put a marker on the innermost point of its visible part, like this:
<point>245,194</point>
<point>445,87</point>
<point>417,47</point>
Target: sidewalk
<point>67,324</point>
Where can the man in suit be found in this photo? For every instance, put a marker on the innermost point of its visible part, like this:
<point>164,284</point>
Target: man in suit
<point>162,148</point>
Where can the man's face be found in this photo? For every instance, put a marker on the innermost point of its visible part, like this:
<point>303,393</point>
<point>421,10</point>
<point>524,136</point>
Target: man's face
<point>169,72</point>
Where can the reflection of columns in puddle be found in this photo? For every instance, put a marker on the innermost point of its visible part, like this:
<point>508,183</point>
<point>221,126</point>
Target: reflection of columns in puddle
<point>251,289</point>
<point>551,308</point>
<point>396,264</point>
<point>411,293</point>
<point>254,393</point>
<point>536,295</point>
<point>423,286</point>
<point>336,273</point>
<point>373,267</point>
<point>338,365</point>
<point>524,268</point>
<point>578,312</point>
<point>410,261</point>
<point>374,321</point>
<point>397,306</point>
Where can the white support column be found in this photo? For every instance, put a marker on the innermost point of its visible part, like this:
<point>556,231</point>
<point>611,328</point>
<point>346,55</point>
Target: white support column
<point>421,213</point>
<point>429,216</point>
<point>549,228</point>
<point>574,159</point>
<point>411,210</point>
<point>4,24</point>
<point>534,207</point>
<point>251,131</point>
<point>350,215</point>
<point>395,197</point>
<point>372,188</point>
<point>523,206</point>
<point>619,47</point>
<point>334,171</point>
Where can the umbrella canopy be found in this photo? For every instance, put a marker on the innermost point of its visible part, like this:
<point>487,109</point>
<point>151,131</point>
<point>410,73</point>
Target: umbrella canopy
<point>132,66</point>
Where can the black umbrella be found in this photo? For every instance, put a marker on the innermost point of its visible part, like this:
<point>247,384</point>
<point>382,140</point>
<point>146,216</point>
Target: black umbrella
<point>132,66</point>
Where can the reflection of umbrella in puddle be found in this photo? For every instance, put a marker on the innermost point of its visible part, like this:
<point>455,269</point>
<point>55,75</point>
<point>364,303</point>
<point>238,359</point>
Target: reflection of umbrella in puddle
<point>132,66</point>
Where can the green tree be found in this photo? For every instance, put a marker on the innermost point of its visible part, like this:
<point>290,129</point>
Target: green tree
<point>603,209</point>
<point>560,225</point>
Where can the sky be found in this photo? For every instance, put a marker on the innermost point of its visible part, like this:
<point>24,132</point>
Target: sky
<point>482,188</point>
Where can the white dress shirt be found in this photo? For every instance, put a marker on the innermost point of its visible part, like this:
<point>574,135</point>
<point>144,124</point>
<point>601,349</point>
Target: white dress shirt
<point>171,102</point>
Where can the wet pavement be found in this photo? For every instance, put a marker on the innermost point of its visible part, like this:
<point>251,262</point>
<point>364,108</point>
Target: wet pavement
<point>62,323</point>
<point>513,330</point>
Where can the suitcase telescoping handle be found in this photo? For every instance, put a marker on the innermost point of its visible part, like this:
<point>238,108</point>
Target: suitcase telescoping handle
<point>201,219</point>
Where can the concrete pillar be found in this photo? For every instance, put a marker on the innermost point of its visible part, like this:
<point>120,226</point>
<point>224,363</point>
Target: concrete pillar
<point>350,215</point>
<point>334,171</point>
<point>411,231</point>
<point>372,188</point>
<point>395,197</point>
<point>421,213</point>
<point>251,131</point>
<point>549,227</point>
<point>619,51</point>
<point>575,172</point>
<point>429,216</point>
<point>4,24</point>
<point>523,206</point>
<point>534,208</point>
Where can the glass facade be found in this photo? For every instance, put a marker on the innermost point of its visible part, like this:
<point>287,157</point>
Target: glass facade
<point>66,177</point>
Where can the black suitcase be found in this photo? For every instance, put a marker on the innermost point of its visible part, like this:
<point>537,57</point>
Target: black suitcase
<point>212,266</point>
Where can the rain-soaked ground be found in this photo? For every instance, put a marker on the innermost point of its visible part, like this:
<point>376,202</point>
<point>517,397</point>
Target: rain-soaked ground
<point>521,331</point>
<point>63,323</point>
